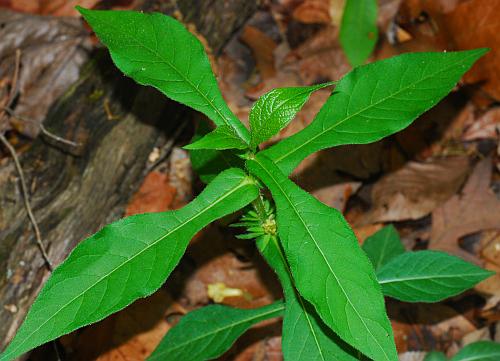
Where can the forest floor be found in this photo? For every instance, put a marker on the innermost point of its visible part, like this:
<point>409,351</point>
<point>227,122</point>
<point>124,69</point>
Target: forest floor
<point>437,182</point>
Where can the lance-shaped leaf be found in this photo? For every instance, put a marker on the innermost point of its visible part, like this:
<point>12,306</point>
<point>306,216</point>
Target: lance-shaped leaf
<point>329,268</point>
<point>208,163</point>
<point>383,246</point>
<point>275,109</point>
<point>157,50</point>
<point>124,261</point>
<point>305,337</point>
<point>210,331</point>
<point>221,138</point>
<point>358,30</point>
<point>428,276</point>
<point>376,100</point>
<point>479,351</point>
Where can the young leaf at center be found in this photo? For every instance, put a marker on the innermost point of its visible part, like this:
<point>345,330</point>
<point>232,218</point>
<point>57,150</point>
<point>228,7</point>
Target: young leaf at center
<point>275,109</point>
<point>329,268</point>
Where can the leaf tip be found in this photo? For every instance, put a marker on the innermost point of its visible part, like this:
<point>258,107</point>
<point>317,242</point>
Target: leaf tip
<point>82,11</point>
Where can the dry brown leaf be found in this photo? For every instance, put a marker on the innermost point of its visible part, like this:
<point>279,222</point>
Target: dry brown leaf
<point>313,12</point>
<point>320,58</point>
<point>490,254</point>
<point>417,189</point>
<point>423,326</point>
<point>457,25</point>
<point>486,126</point>
<point>52,52</point>
<point>412,356</point>
<point>156,194</point>
<point>337,195</point>
<point>482,334</point>
<point>129,335</point>
<point>476,209</point>
<point>262,47</point>
<point>476,24</point>
<point>336,11</point>
<point>216,257</point>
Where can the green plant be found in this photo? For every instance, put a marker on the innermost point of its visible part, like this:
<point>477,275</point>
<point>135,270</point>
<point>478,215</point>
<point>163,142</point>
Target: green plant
<point>358,30</point>
<point>334,293</point>
<point>477,351</point>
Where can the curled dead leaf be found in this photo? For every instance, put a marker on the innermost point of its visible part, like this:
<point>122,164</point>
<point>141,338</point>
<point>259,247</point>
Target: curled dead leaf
<point>417,189</point>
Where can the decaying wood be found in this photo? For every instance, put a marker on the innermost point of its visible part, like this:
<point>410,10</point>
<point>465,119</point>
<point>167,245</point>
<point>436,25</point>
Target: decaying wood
<point>76,190</point>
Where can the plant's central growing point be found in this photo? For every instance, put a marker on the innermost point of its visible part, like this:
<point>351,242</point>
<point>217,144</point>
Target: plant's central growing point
<point>269,226</point>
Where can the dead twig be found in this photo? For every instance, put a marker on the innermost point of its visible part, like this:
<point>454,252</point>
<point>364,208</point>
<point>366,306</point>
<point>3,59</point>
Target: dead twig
<point>27,205</point>
<point>12,151</point>
<point>44,130</point>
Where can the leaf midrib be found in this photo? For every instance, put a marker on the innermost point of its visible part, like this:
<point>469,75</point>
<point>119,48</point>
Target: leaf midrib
<point>243,183</point>
<point>429,277</point>
<point>295,149</point>
<point>279,307</point>
<point>299,297</point>
<point>323,256</point>
<point>171,65</point>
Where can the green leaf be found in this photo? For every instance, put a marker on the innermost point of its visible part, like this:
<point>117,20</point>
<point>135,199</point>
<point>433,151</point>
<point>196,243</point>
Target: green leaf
<point>275,109</point>
<point>435,356</point>
<point>374,101</point>
<point>157,50</point>
<point>210,331</point>
<point>428,276</point>
<point>305,337</point>
<point>383,246</point>
<point>208,163</point>
<point>479,351</point>
<point>221,138</point>
<point>329,268</point>
<point>124,261</point>
<point>358,30</point>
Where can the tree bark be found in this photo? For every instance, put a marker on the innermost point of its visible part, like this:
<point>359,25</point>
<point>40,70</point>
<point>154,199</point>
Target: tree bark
<point>77,191</point>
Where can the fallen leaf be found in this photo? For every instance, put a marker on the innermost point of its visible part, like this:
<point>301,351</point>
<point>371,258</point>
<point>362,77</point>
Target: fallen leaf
<point>475,209</point>
<point>129,335</point>
<point>482,334</point>
<point>417,189</point>
<point>262,47</point>
<point>215,257</point>
<point>423,326</point>
<point>457,25</point>
<point>412,356</point>
<point>313,12</point>
<point>318,59</point>
<point>476,24</point>
<point>337,195</point>
<point>490,254</point>
<point>52,52</point>
<point>487,126</point>
<point>156,194</point>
